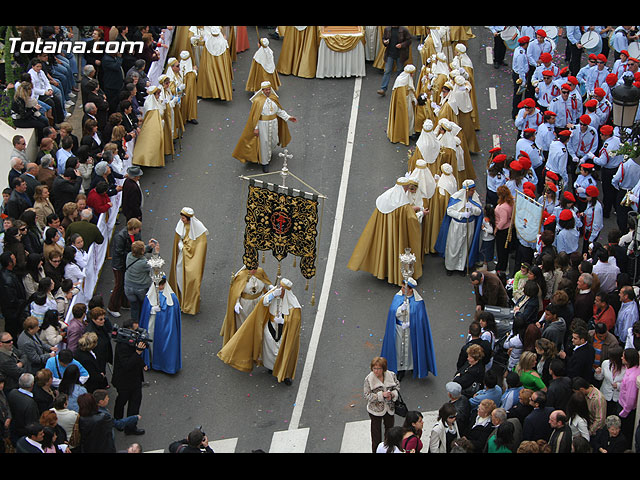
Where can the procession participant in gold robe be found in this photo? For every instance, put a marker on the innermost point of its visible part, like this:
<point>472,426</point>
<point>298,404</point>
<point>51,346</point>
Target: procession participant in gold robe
<point>453,150</point>
<point>462,93</point>
<point>188,260</point>
<point>168,115</point>
<point>439,76</point>
<point>432,44</point>
<point>263,68</point>
<point>427,149</point>
<point>422,197</point>
<point>459,34</point>
<point>181,40</point>
<point>215,73</point>
<point>245,291</point>
<point>400,123</point>
<point>462,61</point>
<point>265,129</point>
<point>197,36</point>
<point>446,185</point>
<point>299,53</point>
<point>270,336</point>
<point>424,110</point>
<point>177,88</point>
<point>393,226</point>
<point>189,104</point>
<point>149,147</point>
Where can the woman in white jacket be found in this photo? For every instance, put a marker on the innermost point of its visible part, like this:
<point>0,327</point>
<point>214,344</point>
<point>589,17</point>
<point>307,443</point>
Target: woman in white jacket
<point>611,373</point>
<point>445,429</point>
<point>381,391</point>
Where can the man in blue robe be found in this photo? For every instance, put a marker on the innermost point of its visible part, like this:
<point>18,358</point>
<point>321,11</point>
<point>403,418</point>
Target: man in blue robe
<point>407,343</point>
<point>160,316</point>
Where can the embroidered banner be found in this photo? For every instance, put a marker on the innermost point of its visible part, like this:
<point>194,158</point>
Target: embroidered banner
<point>282,223</point>
<point>528,216</point>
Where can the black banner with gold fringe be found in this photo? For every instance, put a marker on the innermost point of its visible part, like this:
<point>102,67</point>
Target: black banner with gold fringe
<point>283,224</point>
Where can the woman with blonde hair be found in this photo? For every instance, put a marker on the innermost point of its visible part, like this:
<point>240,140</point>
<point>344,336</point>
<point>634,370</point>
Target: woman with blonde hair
<point>381,390</point>
<point>42,206</point>
<point>25,110</point>
<point>526,369</point>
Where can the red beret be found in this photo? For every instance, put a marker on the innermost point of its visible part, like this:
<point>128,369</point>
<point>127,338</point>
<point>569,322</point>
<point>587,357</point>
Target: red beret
<point>564,133</point>
<point>566,214</point>
<point>587,166</point>
<point>592,191</point>
<point>528,185</point>
<point>547,73</point>
<point>529,193</point>
<point>611,79</point>
<point>591,103</point>
<point>525,162</point>
<point>495,149</point>
<point>592,56</point>
<point>550,219</point>
<point>552,175</point>
<point>586,119</point>
<point>530,130</point>
<point>527,102</point>
<point>545,57</point>
<point>524,39</point>
<point>601,57</point>
<point>572,79</point>
<point>625,52</point>
<point>515,165</point>
<point>552,186</point>
<point>499,158</point>
<point>569,196</point>
<point>549,113</point>
<point>606,130</point>
<point>541,32</point>
<point>564,70</point>
<point>599,91</point>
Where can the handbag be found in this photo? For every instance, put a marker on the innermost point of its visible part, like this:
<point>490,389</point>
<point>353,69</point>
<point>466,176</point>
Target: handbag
<point>400,406</point>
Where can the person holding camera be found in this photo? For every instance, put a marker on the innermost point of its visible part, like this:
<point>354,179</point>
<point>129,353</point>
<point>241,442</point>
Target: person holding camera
<point>128,375</point>
<point>196,442</point>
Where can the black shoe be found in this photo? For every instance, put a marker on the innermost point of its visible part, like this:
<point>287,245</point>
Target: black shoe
<point>274,35</point>
<point>136,431</point>
<point>400,375</point>
<point>449,273</point>
<point>287,382</point>
<point>193,122</point>
<point>265,168</point>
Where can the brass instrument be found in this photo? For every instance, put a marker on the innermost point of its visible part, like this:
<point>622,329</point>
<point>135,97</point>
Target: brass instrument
<point>626,201</point>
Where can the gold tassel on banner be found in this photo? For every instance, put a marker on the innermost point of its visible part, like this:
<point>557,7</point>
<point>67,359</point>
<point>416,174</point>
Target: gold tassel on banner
<point>262,257</point>
<point>278,269</point>
<point>306,287</point>
<point>294,262</point>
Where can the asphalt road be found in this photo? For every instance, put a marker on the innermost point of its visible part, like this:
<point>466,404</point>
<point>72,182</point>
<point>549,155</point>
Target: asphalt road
<point>343,331</point>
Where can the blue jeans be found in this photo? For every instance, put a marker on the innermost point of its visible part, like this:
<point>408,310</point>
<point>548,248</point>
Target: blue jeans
<point>388,68</point>
<point>136,294</point>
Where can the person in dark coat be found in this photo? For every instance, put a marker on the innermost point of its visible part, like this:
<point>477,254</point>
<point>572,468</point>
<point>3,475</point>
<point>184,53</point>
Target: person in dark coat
<point>397,42</point>
<point>536,424</point>
<point>100,325</point>
<point>65,189</point>
<point>560,440</point>
<point>128,376</point>
<point>13,297</point>
<point>132,194</point>
<point>96,428</point>
<point>24,409</point>
<point>89,360</point>
<point>580,360</point>
<point>489,290</point>
<point>112,78</point>
<point>19,200</point>
<point>475,330</point>
<point>30,442</point>
<point>609,439</point>
<point>559,389</point>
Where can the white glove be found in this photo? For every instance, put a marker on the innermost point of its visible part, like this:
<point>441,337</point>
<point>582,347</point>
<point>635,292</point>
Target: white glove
<point>575,159</point>
<point>580,190</point>
<point>405,325</point>
<point>633,198</point>
<point>155,309</point>
<point>469,206</point>
<point>277,292</point>
<point>279,320</point>
<point>237,307</point>
<point>465,214</point>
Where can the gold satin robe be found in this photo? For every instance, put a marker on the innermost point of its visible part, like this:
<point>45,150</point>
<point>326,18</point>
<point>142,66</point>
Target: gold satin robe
<point>215,76</point>
<point>257,75</point>
<point>244,351</point>
<point>149,147</point>
<point>194,254</point>
<point>383,240</point>
<point>398,128</point>
<point>189,104</point>
<point>299,53</point>
<point>235,291</point>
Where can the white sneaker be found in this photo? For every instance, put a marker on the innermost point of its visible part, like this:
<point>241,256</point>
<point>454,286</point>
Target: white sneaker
<point>71,95</point>
<point>67,114</point>
<point>113,314</point>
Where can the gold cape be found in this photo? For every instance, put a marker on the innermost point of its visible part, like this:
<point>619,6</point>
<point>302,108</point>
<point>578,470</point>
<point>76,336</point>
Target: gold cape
<point>383,240</point>
<point>167,132</point>
<point>437,208</point>
<point>181,41</point>
<point>237,285</point>
<point>244,350</point>
<point>215,76</point>
<point>194,254</point>
<point>257,75</point>
<point>149,147</point>
<point>299,53</point>
<point>248,146</point>
<point>189,104</point>
<point>398,121</point>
